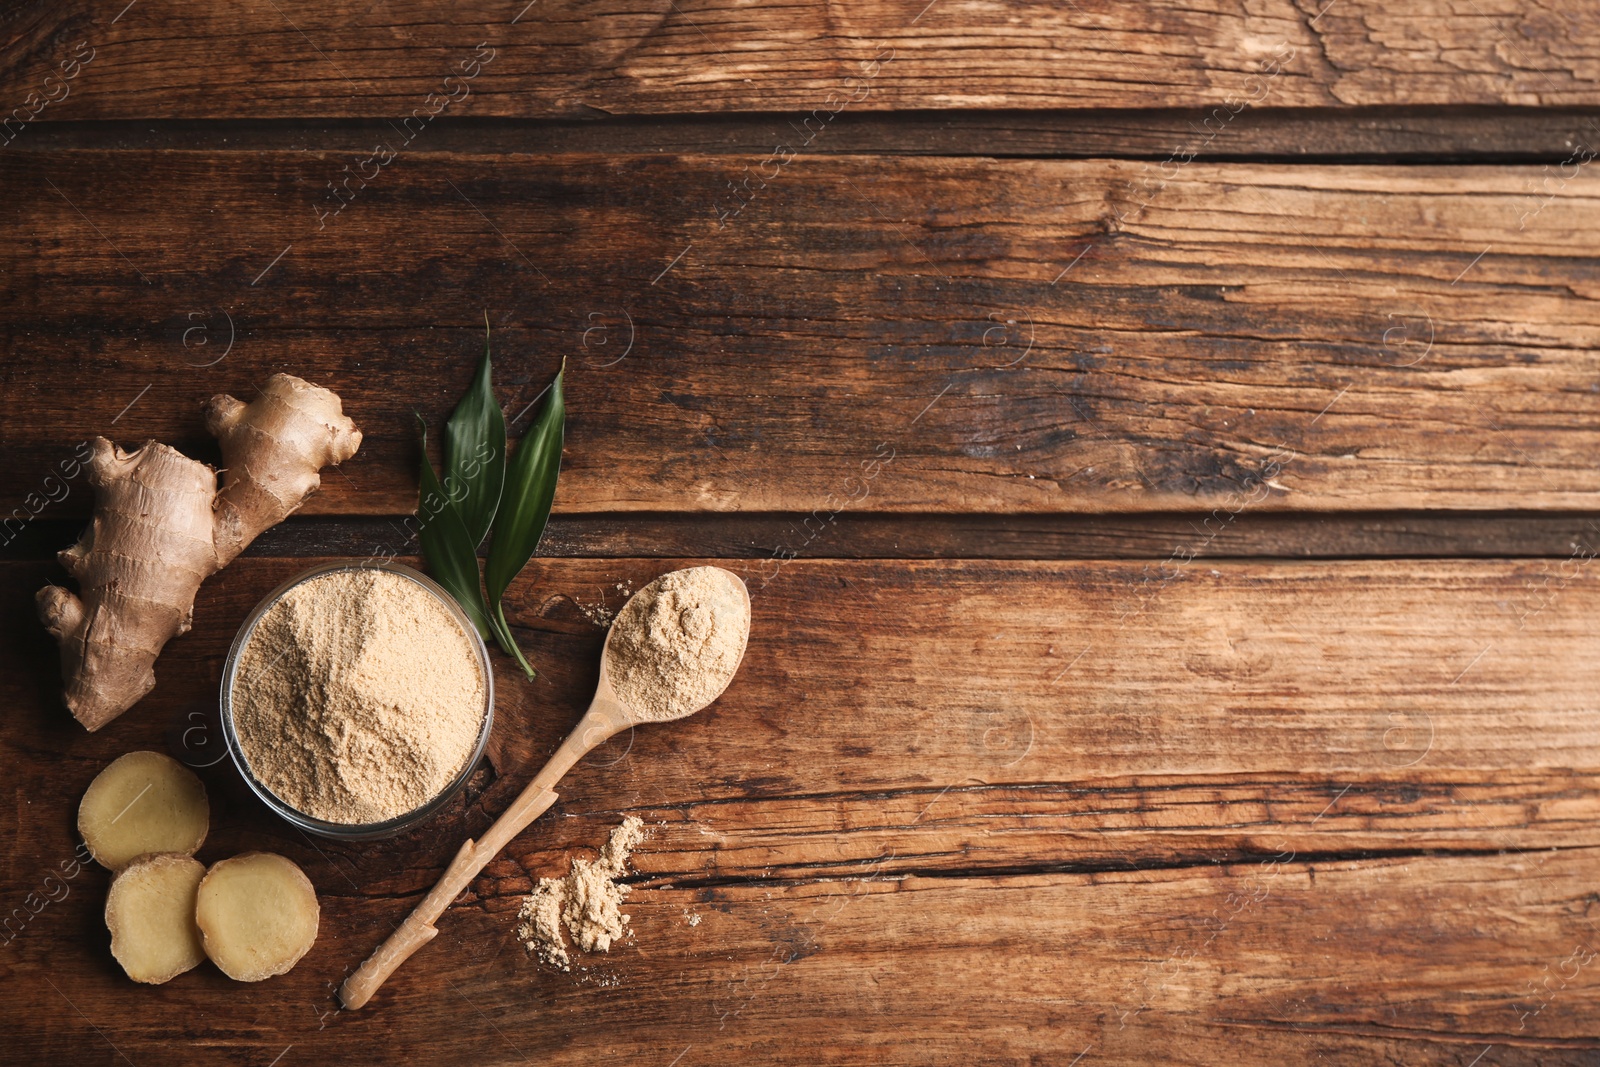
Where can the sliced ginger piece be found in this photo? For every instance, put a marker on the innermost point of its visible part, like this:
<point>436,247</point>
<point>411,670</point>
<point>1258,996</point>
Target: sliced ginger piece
<point>150,913</point>
<point>257,914</point>
<point>143,803</point>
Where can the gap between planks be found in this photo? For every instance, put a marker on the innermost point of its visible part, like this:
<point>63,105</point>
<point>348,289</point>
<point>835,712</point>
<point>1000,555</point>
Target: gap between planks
<point>1156,536</point>
<point>1414,135</point>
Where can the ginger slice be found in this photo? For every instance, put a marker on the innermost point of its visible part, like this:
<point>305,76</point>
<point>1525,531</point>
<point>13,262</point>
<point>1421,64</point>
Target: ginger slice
<point>150,913</point>
<point>141,803</point>
<point>257,914</point>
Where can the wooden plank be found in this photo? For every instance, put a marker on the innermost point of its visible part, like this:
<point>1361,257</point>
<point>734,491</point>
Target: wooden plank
<point>568,58</point>
<point>1262,963</point>
<point>1185,967</point>
<point>1331,135</point>
<point>1259,812</point>
<point>995,715</point>
<point>1040,337</point>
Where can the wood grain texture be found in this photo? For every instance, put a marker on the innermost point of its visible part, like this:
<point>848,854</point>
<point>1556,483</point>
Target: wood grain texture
<point>1092,727</point>
<point>1287,810</point>
<point>563,57</point>
<point>1199,966</point>
<point>1038,337</point>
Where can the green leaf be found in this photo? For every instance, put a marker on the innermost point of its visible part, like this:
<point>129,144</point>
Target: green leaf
<point>507,642</point>
<point>475,451</point>
<point>447,547</point>
<point>530,486</point>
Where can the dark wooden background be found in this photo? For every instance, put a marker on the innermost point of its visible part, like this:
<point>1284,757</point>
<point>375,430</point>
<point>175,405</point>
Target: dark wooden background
<point>1206,672</point>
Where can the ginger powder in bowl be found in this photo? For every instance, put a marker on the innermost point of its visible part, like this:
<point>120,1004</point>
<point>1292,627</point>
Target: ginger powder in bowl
<point>357,699</point>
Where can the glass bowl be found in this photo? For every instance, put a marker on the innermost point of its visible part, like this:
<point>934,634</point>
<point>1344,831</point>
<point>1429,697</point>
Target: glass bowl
<point>355,831</point>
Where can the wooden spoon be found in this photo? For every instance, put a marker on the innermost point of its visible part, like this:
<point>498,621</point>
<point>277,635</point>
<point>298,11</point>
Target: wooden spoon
<point>606,717</point>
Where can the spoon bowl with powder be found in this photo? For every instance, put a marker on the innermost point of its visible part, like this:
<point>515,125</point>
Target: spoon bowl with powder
<point>672,650</point>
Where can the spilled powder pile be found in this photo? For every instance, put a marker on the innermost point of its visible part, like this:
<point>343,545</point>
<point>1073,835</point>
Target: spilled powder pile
<point>588,900</point>
<point>358,697</point>
<point>676,644</point>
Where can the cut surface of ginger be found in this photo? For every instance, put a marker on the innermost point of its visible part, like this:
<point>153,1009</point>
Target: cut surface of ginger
<point>143,803</point>
<point>150,913</point>
<point>257,914</point>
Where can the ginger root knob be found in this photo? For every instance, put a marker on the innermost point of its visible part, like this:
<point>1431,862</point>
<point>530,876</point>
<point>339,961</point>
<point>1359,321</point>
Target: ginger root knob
<point>161,527</point>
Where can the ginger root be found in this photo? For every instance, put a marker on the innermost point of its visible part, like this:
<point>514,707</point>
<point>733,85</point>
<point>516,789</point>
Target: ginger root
<point>150,913</point>
<point>161,528</point>
<point>258,914</point>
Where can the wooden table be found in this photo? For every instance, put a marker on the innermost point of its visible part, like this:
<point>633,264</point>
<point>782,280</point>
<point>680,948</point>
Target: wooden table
<point>1160,442</point>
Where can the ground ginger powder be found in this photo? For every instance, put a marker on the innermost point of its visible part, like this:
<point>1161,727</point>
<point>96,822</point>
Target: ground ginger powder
<point>677,643</point>
<point>588,899</point>
<point>359,697</point>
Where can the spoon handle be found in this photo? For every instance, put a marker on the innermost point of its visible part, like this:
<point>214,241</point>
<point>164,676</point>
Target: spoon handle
<point>418,929</point>
<point>603,719</point>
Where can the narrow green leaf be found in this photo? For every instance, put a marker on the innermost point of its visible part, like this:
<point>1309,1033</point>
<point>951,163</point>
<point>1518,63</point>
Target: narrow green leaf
<point>446,545</point>
<point>475,451</point>
<point>508,643</point>
<point>530,487</point>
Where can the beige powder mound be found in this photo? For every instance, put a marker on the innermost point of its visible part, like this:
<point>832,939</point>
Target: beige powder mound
<point>588,900</point>
<point>359,697</point>
<point>675,646</point>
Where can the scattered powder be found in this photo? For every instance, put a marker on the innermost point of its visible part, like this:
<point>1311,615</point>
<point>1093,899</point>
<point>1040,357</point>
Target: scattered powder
<point>675,646</point>
<point>588,900</point>
<point>599,614</point>
<point>359,697</point>
<point>694,919</point>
